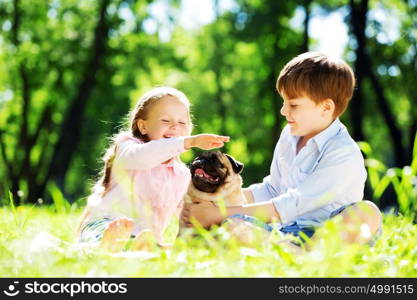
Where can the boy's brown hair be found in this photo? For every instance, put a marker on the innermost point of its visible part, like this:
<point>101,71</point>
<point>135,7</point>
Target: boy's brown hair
<point>318,77</point>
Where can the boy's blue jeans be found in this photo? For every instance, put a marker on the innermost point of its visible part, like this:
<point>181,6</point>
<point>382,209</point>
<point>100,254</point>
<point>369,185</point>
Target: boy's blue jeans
<point>293,229</point>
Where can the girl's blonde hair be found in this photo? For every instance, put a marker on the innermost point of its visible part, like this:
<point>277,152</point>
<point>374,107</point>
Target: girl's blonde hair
<point>141,111</point>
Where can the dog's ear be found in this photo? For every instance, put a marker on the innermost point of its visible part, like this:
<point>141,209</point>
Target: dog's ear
<point>236,165</point>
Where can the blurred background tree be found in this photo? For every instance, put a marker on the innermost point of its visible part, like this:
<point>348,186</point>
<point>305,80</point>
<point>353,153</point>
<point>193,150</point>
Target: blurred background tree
<point>71,70</point>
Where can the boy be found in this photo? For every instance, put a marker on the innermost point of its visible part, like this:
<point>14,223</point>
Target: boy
<point>317,170</point>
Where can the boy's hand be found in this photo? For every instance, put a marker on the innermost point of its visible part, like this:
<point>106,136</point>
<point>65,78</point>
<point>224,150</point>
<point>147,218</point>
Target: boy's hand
<point>205,212</point>
<point>205,141</point>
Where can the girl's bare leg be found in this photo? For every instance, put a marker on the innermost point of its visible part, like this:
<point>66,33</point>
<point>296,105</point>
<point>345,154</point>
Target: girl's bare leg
<point>144,241</point>
<point>117,235</point>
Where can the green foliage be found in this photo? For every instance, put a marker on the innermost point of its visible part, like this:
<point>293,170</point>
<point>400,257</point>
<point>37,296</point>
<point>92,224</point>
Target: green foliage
<point>403,180</point>
<point>227,68</point>
<point>60,203</point>
<point>38,242</point>
<point>11,203</point>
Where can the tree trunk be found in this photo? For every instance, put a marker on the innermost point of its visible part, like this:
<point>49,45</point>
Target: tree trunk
<point>358,23</point>
<point>71,127</point>
<point>306,35</point>
<point>271,84</point>
<point>395,132</point>
<point>363,67</point>
<point>217,67</point>
<point>412,136</point>
<point>22,153</point>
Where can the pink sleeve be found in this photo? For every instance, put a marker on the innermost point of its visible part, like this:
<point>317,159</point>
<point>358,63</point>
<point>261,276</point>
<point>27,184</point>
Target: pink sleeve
<point>179,208</point>
<point>135,155</point>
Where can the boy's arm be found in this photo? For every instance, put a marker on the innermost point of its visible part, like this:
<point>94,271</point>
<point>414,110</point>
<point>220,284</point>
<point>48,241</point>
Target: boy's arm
<point>258,197</point>
<point>207,214</point>
<point>248,195</point>
<point>264,191</point>
<point>340,176</point>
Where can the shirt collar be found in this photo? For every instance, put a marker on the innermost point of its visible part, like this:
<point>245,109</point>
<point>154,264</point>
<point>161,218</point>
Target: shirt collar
<point>322,138</point>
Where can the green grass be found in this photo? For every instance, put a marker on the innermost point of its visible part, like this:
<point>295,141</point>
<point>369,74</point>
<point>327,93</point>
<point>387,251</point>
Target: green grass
<point>40,242</point>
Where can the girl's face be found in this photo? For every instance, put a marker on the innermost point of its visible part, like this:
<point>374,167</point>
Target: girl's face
<point>168,117</point>
<point>306,117</point>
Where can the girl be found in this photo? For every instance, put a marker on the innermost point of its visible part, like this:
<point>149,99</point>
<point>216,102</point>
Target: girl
<point>143,180</point>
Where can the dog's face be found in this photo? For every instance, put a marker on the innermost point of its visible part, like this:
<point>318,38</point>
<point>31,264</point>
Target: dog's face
<point>210,170</point>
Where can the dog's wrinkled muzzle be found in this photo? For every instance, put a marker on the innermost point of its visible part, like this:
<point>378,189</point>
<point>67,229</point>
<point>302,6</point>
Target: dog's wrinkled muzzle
<point>208,172</point>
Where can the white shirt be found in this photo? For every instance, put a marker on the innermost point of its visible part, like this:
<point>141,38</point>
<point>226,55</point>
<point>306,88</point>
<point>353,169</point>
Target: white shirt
<point>326,174</point>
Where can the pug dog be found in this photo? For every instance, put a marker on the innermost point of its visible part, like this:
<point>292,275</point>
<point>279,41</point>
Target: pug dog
<point>215,176</point>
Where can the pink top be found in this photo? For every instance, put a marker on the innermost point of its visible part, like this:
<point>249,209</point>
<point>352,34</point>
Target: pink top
<point>142,186</point>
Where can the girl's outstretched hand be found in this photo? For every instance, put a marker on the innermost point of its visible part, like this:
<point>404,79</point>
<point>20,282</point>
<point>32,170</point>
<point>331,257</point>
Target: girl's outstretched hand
<point>205,141</point>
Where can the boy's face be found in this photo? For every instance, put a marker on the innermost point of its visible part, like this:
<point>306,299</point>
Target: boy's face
<point>306,117</point>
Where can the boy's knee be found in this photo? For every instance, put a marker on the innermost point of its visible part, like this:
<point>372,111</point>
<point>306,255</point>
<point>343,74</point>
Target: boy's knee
<point>232,223</point>
<point>364,212</point>
<point>245,232</point>
<point>372,215</point>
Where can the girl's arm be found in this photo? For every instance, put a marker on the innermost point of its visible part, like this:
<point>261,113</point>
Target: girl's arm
<point>205,141</point>
<point>131,154</point>
<point>141,156</point>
